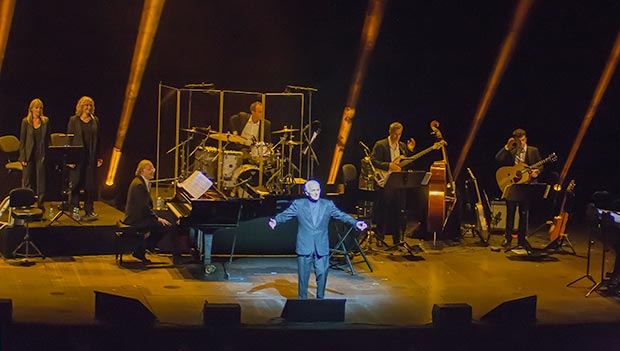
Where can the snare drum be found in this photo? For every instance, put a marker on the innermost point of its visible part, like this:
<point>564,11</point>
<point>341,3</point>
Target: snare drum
<point>205,160</point>
<point>261,151</point>
<point>231,161</point>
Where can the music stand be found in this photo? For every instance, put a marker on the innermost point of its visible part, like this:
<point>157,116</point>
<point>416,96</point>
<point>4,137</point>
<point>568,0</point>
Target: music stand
<point>400,181</point>
<point>341,249</point>
<point>525,194</point>
<point>64,155</point>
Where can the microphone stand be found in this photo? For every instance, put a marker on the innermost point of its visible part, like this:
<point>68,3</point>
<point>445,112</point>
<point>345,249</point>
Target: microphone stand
<point>312,157</point>
<point>182,152</point>
<point>310,149</point>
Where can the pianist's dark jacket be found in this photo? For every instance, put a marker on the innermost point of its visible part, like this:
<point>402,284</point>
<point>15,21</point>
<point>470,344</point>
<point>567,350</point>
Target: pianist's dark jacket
<point>139,209</point>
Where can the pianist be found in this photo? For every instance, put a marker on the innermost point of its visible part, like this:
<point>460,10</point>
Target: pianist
<point>313,215</point>
<point>139,211</point>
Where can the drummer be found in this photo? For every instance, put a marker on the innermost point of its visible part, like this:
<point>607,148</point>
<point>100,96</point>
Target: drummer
<point>248,125</point>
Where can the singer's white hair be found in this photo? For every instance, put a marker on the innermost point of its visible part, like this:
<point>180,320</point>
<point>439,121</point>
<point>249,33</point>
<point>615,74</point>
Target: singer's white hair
<point>313,181</point>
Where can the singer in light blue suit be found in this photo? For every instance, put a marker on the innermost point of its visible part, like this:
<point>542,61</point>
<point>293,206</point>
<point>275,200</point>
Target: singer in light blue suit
<point>313,215</point>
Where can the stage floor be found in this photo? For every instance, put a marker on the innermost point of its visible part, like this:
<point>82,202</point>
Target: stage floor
<point>400,292</point>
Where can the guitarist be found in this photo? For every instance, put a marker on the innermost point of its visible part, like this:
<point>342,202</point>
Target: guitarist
<point>389,206</point>
<point>515,152</point>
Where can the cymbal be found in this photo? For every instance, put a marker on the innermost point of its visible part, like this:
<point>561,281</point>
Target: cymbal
<point>233,138</point>
<point>285,130</point>
<point>293,142</point>
<point>199,130</point>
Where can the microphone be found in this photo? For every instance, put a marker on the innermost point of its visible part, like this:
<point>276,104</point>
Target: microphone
<point>364,145</point>
<point>316,121</point>
<point>314,134</point>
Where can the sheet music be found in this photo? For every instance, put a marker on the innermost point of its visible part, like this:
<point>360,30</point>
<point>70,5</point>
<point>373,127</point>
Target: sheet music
<point>196,184</point>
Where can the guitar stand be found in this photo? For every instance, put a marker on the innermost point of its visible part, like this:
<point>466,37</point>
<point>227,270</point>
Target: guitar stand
<point>557,245</point>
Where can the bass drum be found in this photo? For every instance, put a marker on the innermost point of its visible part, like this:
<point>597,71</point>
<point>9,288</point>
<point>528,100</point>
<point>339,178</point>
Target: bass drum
<point>247,175</point>
<point>205,160</point>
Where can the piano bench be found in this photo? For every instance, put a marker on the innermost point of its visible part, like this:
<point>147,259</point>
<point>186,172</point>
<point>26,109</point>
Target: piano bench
<point>126,238</point>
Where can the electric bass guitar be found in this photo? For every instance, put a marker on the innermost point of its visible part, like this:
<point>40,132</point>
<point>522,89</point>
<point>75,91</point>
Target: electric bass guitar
<point>481,221</point>
<point>382,176</point>
<point>519,174</point>
<point>558,227</point>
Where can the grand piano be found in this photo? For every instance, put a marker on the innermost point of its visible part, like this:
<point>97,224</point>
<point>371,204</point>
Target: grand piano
<point>209,218</point>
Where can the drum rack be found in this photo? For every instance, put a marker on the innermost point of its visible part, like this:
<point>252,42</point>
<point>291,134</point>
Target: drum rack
<point>200,112</point>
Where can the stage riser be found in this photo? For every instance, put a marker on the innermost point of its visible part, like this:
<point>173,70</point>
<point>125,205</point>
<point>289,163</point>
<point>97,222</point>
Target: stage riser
<point>254,237</point>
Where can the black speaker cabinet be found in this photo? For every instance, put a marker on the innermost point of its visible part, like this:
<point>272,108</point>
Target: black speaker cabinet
<point>122,310</point>
<point>498,216</point>
<point>6,311</point>
<point>315,310</point>
<point>452,316</point>
<point>221,314</point>
<point>514,312</point>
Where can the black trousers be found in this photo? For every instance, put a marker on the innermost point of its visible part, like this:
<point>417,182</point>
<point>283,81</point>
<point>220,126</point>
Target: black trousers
<point>33,177</point>
<point>83,176</point>
<point>511,209</point>
<point>389,213</point>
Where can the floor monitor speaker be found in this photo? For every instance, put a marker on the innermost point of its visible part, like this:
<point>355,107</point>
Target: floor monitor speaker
<point>514,312</point>
<point>315,310</point>
<point>122,310</point>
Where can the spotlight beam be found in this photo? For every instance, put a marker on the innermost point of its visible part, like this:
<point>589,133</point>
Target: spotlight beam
<point>151,13</point>
<point>610,67</point>
<point>370,31</point>
<point>501,63</point>
<point>7,8</point>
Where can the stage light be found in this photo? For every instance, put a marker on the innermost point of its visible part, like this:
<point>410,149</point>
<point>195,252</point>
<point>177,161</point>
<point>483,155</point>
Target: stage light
<point>151,13</point>
<point>7,7</point>
<point>508,46</point>
<point>370,31</point>
<point>116,156</point>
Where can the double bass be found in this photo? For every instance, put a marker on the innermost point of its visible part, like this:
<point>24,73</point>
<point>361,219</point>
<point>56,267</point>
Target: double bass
<point>438,185</point>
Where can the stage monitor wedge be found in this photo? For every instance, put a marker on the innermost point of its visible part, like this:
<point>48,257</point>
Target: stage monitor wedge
<point>122,310</point>
<point>519,312</point>
<point>315,310</point>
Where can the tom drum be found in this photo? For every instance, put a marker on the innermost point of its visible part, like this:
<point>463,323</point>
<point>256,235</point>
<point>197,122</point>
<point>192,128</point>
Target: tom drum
<point>205,160</point>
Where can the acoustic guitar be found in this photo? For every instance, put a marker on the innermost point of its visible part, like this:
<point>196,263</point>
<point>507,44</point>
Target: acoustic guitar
<point>558,227</point>
<point>482,227</point>
<point>382,176</point>
<point>519,174</point>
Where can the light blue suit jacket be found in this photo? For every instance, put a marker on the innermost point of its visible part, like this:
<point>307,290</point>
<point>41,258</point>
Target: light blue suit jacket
<point>312,234</point>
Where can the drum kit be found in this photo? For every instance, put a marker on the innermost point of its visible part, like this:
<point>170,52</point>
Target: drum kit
<point>239,169</point>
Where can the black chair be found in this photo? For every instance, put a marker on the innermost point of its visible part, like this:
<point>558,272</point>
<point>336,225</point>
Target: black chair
<point>126,238</point>
<point>23,203</point>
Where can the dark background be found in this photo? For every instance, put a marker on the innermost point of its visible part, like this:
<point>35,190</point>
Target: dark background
<point>432,61</point>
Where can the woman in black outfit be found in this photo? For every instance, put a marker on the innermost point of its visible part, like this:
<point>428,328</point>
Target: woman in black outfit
<point>33,142</point>
<point>84,125</point>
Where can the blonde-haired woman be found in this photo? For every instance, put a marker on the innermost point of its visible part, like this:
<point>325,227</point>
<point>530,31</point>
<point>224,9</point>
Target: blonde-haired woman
<point>84,125</point>
<point>33,142</point>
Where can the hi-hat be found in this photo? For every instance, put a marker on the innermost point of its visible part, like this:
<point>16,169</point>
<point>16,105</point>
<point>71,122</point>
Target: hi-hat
<point>293,142</point>
<point>233,138</point>
<point>285,130</point>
